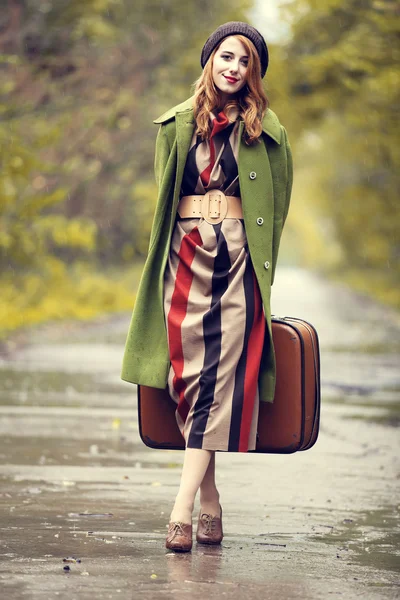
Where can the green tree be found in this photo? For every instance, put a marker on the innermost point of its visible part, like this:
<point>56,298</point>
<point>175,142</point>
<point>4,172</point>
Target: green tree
<point>80,83</point>
<point>345,85</point>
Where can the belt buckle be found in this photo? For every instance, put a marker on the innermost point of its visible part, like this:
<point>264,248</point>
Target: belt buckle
<point>214,206</point>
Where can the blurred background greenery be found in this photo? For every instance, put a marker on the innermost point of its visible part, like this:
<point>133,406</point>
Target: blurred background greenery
<point>81,82</point>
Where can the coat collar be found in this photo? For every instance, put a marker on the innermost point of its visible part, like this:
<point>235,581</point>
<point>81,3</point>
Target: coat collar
<point>270,123</point>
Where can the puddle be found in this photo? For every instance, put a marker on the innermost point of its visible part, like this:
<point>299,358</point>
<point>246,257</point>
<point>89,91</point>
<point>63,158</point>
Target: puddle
<point>34,383</point>
<point>388,347</point>
<point>381,409</point>
<point>371,538</point>
<point>389,419</point>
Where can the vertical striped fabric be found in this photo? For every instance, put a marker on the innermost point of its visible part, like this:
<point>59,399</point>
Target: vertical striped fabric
<point>216,327</point>
<point>213,310</point>
<point>212,164</point>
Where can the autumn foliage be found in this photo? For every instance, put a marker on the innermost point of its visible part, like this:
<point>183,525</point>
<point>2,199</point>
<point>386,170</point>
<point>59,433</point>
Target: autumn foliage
<point>81,82</point>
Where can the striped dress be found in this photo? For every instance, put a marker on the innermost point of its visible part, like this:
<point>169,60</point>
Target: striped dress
<point>213,309</point>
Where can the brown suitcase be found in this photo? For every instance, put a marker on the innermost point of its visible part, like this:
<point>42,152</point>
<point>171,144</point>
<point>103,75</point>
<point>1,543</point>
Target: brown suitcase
<point>289,424</point>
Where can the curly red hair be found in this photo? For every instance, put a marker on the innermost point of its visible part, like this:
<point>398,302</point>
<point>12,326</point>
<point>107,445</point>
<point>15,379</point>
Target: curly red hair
<point>251,100</point>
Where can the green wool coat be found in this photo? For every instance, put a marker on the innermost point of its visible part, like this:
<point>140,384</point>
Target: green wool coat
<point>265,178</point>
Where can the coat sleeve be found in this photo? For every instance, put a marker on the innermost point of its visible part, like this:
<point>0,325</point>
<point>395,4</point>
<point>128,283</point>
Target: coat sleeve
<point>289,181</point>
<point>161,155</point>
<point>284,196</point>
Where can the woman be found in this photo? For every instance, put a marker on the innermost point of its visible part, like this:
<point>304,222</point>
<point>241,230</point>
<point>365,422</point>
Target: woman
<point>202,323</point>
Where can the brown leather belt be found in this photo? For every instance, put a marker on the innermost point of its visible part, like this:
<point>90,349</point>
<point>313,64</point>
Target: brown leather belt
<point>213,206</point>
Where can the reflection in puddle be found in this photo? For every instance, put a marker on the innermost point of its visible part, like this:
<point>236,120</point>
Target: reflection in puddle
<point>199,565</point>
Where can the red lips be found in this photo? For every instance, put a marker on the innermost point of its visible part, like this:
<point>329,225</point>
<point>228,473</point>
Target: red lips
<point>230,79</point>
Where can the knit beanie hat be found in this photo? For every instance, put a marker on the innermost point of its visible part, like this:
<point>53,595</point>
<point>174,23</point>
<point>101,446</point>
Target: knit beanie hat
<point>236,28</point>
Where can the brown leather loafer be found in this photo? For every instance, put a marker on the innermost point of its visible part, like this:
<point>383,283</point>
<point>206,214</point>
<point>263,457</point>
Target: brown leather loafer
<point>209,529</point>
<point>179,537</point>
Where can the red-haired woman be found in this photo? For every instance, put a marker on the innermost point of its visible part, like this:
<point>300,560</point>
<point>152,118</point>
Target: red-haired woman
<point>202,324</point>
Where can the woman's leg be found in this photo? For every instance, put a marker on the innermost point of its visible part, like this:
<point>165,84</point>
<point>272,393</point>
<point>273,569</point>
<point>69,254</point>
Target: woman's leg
<point>195,465</point>
<point>209,495</point>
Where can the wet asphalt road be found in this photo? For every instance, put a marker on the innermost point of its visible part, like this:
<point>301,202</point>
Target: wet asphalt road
<point>77,481</point>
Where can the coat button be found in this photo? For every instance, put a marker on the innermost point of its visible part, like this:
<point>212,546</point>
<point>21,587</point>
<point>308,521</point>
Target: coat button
<point>266,264</point>
<point>260,221</point>
<point>253,175</point>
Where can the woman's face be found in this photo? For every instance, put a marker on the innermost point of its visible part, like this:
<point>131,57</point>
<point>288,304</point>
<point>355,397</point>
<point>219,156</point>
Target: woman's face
<point>230,66</point>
